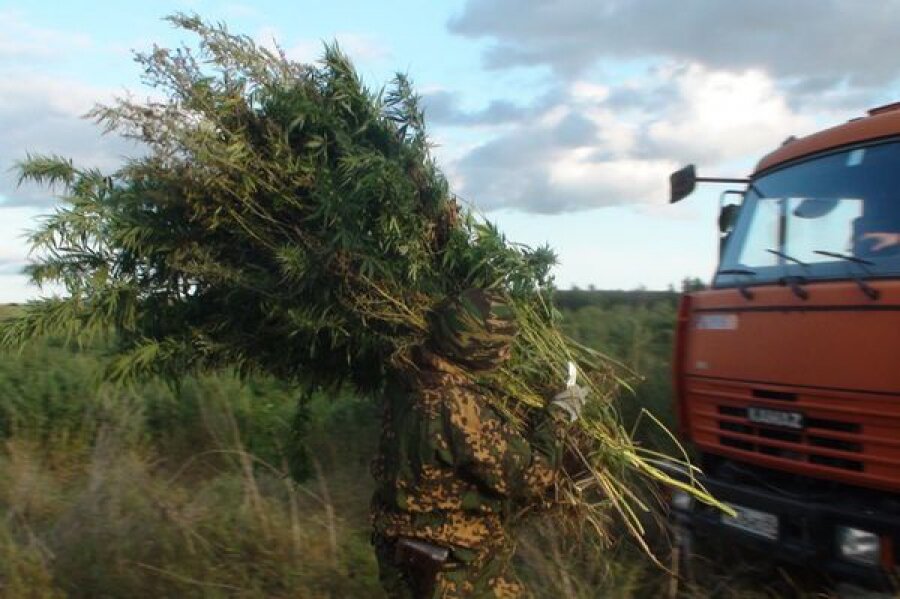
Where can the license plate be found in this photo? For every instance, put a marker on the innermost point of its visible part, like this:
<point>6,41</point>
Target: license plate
<point>792,420</point>
<point>755,522</point>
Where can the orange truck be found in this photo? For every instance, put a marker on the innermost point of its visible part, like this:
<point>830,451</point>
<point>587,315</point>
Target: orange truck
<point>787,369</point>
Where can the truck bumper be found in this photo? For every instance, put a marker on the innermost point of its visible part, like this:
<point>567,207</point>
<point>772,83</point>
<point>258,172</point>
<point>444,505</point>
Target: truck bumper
<point>807,530</point>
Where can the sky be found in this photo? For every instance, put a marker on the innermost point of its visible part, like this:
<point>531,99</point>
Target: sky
<point>558,119</point>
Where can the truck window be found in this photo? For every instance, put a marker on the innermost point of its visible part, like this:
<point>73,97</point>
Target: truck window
<point>845,203</point>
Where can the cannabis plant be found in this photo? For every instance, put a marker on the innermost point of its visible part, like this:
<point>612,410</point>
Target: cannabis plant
<point>285,219</point>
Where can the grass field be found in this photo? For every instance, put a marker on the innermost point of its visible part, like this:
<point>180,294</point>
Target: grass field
<point>223,488</point>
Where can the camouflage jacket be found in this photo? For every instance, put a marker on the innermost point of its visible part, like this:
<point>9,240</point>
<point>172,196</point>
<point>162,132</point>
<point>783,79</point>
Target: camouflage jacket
<point>450,468</point>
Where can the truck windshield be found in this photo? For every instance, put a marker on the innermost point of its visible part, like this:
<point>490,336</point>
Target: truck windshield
<point>836,216</point>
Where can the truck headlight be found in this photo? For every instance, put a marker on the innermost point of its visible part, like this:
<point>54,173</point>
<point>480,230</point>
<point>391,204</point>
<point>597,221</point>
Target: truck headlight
<point>682,501</point>
<point>860,546</point>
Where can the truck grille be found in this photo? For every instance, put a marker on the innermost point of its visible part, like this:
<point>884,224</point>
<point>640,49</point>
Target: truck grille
<point>845,436</point>
<point>802,445</point>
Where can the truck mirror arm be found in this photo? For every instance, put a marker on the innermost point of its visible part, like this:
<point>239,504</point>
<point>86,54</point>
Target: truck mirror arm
<point>683,182</point>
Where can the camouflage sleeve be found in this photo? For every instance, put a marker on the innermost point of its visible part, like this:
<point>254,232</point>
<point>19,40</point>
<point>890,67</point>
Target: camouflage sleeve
<point>495,455</point>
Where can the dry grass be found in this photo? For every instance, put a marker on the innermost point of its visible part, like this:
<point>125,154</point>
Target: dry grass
<point>108,517</point>
<point>105,519</point>
<point>145,493</point>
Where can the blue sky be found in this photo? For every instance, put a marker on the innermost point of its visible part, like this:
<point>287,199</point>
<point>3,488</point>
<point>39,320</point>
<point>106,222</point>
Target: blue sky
<point>559,119</point>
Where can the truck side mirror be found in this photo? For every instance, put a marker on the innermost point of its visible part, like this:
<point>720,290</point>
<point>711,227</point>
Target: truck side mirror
<point>682,183</point>
<point>727,217</point>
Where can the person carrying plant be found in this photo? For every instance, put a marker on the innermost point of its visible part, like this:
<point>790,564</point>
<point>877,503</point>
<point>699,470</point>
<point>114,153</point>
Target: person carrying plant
<point>451,469</point>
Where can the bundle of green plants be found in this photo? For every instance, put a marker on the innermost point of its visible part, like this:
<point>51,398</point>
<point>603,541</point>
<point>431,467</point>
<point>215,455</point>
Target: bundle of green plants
<point>282,218</point>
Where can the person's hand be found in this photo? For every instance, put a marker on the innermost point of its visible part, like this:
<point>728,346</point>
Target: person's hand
<point>570,401</point>
<point>882,240</point>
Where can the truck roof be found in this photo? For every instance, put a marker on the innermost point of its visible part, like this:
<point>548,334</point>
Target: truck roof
<point>881,122</point>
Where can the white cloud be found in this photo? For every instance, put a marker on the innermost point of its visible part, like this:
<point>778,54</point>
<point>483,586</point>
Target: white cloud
<point>21,41</point>
<point>586,91</point>
<point>581,181</point>
<point>588,149</point>
<point>822,41</point>
<point>13,249</point>
<point>723,115</point>
<point>723,83</point>
<point>238,10</point>
<point>43,115</point>
<point>15,289</point>
<point>362,48</point>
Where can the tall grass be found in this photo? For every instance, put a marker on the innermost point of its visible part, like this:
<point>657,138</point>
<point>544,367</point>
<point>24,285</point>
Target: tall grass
<point>116,526</point>
<point>222,488</point>
<point>153,491</point>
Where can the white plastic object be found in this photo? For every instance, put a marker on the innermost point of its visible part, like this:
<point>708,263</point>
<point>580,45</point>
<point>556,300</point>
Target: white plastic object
<point>573,375</point>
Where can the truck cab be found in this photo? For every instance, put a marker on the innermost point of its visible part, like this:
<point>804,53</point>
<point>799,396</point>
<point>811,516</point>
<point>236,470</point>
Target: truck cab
<point>787,369</point>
